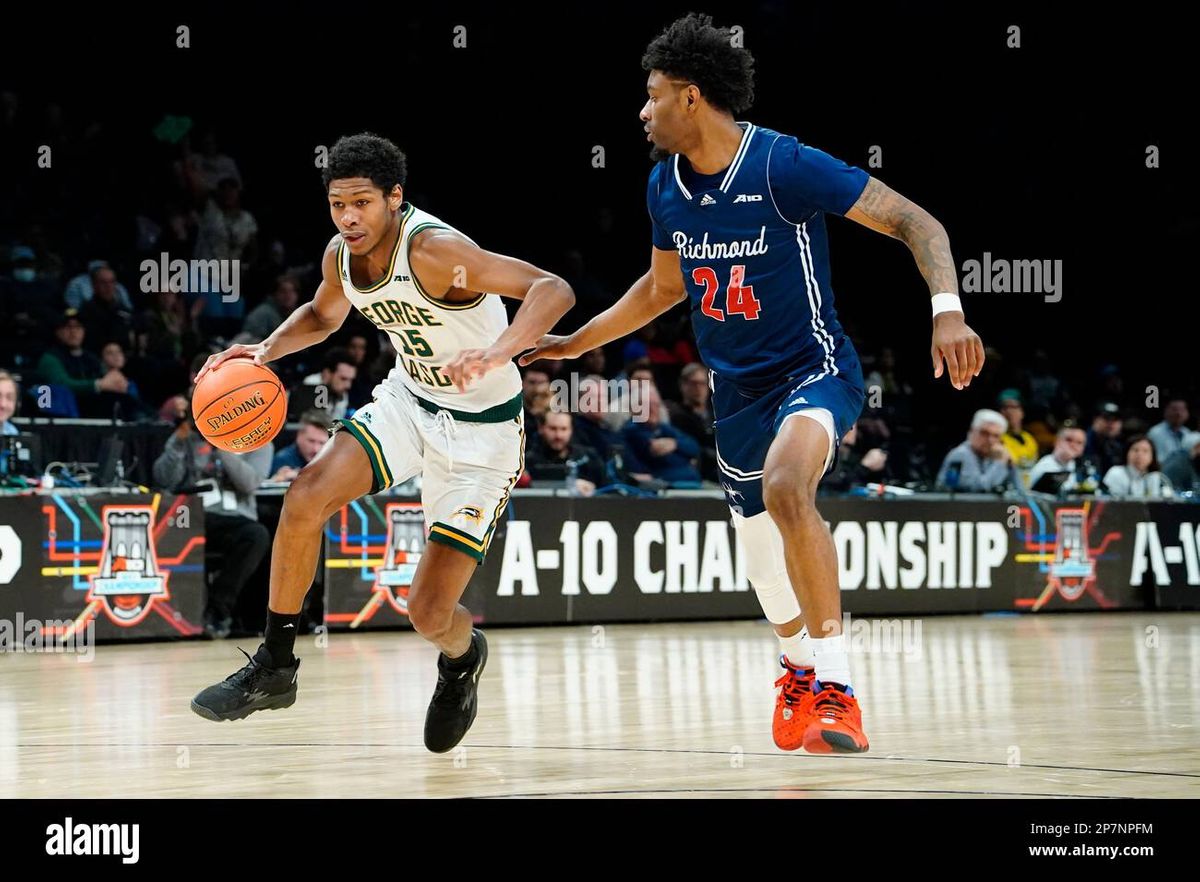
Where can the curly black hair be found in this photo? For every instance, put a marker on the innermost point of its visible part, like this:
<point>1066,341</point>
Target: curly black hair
<point>691,48</point>
<point>366,155</point>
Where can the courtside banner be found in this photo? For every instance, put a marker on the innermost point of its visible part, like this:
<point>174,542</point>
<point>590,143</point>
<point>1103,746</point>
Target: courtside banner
<point>1165,554</point>
<point>114,566</point>
<point>612,559</point>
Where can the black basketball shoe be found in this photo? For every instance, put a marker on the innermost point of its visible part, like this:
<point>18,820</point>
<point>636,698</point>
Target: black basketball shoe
<point>253,688</point>
<point>456,698</point>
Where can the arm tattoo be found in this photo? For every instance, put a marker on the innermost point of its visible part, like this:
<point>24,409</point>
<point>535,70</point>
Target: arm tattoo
<point>903,219</point>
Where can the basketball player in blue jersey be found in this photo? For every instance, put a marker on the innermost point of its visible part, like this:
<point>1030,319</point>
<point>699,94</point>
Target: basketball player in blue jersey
<point>738,219</point>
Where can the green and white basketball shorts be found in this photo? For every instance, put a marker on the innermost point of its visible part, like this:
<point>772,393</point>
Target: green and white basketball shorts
<point>468,462</point>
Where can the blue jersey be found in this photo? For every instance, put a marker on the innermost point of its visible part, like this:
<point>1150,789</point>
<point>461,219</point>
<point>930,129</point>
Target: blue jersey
<point>755,256</point>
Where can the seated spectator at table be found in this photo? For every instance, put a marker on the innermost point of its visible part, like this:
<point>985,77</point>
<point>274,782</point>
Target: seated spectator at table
<point>855,469</point>
<point>1141,476</point>
<point>1103,446</point>
<point>1182,467</point>
<point>982,463</point>
<point>261,322</point>
<point>69,365</point>
<point>657,450</point>
<point>1065,459</point>
<point>1021,445</point>
<point>1167,436</point>
<point>693,414</point>
<point>328,390</point>
<point>103,315</point>
<point>310,438</point>
<point>80,289</point>
<point>231,527</point>
<point>546,460</point>
<point>10,396</point>
<point>590,427</point>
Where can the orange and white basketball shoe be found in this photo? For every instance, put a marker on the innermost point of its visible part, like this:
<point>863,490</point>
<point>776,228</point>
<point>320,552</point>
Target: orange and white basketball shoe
<point>793,705</point>
<point>834,722</point>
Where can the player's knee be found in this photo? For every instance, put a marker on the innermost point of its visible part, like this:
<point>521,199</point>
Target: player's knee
<point>789,495</point>
<point>310,496</point>
<point>429,619</point>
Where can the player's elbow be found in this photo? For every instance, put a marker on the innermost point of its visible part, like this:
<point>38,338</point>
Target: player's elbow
<point>557,289</point>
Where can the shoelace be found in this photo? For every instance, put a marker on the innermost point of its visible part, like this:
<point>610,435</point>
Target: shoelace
<point>444,421</point>
<point>832,702</point>
<point>795,690</point>
<point>246,671</point>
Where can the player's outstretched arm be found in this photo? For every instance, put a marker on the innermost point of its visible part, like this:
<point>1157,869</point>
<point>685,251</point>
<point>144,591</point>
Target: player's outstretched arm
<point>308,324</point>
<point>884,210</point>
<point>649,297</point>
<point>445,261</point>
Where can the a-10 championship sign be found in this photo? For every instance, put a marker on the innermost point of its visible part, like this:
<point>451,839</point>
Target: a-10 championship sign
<point>612,559</point>
<point>125,565</point>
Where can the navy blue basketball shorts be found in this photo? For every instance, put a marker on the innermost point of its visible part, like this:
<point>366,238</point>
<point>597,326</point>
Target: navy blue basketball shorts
<point>747,423</point>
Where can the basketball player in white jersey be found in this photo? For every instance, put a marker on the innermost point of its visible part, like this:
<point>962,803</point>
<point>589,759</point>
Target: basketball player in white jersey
<point>449,410</point>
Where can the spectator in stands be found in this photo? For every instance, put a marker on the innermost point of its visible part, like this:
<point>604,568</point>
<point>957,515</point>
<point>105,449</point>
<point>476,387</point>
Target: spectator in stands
<point>103,316</point>
<point>328,390</point>
<point>693,414</point>
<point>1167,436</point>
<point>1182,467</point>
<point>310,438</point>
<point>204,170</point>
<point>593,361</point>
<point>1020,444</point>
<point>231,526</point>
<point>535,380</point>
<point>10,396</point>
<point>982,463</point>
<point>165,330</point>
<point>364,384</point>
<point>26,316</point>
<point>68,365</point>
<point>590,429</point>
<point>1140,477</point>
<point>1103,447</point>
<point>854,469</point>
<point>227,233</point>
<point>80,290</point>
<point>133,406</point>
<point>1064,459</point>
<point>657,450</point>
<point>546,461</point>
<point>269,314</point>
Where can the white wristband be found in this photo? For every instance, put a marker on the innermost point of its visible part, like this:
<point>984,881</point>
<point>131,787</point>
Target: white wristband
<point>945,302</point>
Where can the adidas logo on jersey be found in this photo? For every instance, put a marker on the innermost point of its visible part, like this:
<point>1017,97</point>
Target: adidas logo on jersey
<point>708,200</point>
<point>748,197</point>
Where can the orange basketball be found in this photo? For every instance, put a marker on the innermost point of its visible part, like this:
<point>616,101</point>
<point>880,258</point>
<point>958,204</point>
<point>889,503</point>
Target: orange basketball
<point>240,406</point>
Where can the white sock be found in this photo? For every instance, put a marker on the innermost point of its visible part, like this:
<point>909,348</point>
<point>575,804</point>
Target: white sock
<point>797,649</point>
<point>831,660</point>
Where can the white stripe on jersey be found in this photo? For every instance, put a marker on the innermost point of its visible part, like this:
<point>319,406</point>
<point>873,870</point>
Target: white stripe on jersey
<point>813,289</point>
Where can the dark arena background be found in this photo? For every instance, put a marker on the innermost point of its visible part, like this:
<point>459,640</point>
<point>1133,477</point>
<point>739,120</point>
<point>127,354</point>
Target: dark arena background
<point>1034,637</point>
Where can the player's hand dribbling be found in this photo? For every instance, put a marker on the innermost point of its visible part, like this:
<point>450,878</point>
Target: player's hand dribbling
<point>471,364</point>
<point>552,346</point>
<point>959,346</point>
<point>256,351</point>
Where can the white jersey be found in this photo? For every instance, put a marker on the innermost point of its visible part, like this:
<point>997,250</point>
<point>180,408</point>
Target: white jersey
<point>427,332</point>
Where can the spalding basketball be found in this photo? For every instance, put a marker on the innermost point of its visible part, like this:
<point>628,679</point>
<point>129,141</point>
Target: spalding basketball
<point>240,406</point>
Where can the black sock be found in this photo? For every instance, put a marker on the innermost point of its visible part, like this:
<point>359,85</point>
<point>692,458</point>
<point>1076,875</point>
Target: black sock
<point>463,662</point>
<point>280,637</point>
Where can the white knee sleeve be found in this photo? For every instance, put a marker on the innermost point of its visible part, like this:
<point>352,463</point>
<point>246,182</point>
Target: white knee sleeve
<point>766,567</point>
